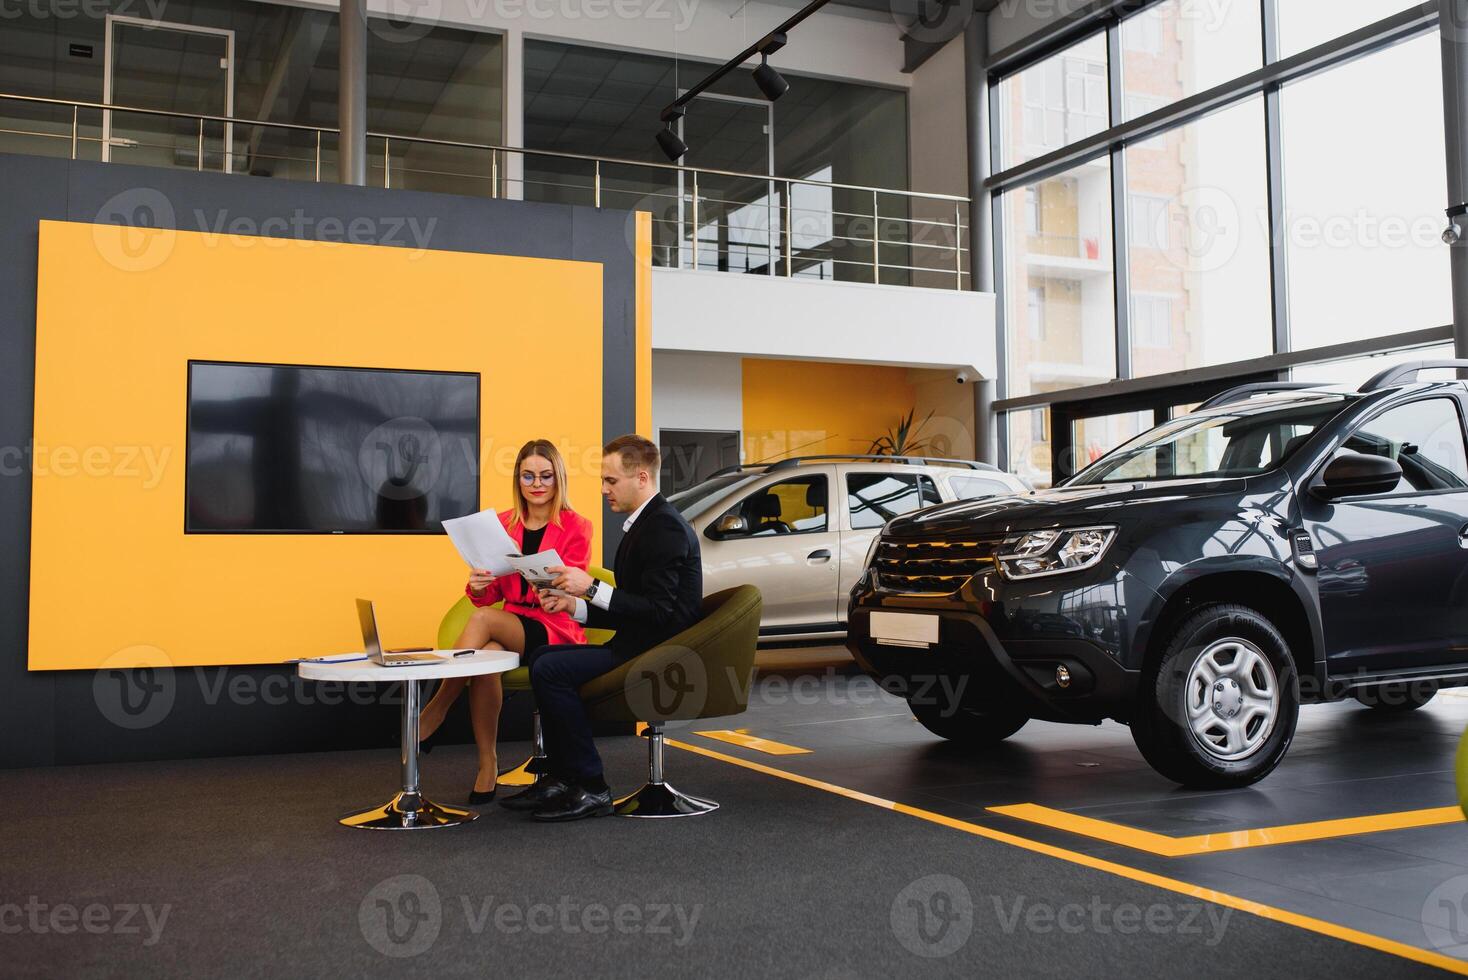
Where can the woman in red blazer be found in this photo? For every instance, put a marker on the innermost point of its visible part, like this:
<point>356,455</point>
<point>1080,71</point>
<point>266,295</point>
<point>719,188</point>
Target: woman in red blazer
<point>541,520</point>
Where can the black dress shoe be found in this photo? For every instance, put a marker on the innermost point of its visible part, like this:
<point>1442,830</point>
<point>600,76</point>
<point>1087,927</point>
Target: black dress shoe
<point>425,745</point>
<point>537,796</point>
<point>575,804</point>
<point>476,797</point>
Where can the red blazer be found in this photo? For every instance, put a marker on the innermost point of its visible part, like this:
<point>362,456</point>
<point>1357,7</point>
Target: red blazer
<point>572,540</point>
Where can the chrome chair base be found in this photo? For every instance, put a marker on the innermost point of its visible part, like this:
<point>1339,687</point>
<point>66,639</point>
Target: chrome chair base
<point>409,811</point>
<point>521,775</point>
<point>662,800</point>
<point>532,770</point>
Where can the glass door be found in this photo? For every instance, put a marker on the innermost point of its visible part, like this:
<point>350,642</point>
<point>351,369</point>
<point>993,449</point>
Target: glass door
<point>733,225</point>
<point>174,68</point>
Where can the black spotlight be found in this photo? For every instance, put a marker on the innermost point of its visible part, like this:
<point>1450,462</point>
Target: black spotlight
<point>672,146</point>
<point>770,82</point>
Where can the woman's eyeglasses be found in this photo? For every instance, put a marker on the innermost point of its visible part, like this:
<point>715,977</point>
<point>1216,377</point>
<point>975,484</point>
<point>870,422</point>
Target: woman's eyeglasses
<point>530,479</point>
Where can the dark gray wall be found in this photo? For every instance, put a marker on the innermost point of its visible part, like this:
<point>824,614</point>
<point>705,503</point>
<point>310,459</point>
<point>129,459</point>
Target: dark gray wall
<point>57,717</point>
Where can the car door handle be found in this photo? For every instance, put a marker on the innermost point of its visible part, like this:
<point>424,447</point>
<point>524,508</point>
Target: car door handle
<point>819,555</point>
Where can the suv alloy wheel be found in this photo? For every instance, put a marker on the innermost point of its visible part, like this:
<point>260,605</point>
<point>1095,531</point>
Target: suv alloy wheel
<point>1220,707</point>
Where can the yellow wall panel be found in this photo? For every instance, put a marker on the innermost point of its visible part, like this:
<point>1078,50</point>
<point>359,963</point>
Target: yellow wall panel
<point>120,312</point>
<point>807,407</point>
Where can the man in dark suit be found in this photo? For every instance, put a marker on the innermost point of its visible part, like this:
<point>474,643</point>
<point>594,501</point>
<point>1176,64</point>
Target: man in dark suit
<point>659,593</point>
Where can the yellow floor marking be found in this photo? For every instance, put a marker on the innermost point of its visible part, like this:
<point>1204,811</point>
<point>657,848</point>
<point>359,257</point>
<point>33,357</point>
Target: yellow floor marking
<point>1324,928</point>
<point>1162,844</point>
<point>741,737</point>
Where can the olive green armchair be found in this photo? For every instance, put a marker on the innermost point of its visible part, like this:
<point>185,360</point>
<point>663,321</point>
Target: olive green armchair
<point>529,771</point>
<point>703,672</point>
<point>1463,773</point>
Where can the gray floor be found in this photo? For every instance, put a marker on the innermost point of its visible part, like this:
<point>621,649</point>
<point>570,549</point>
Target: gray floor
<point>236,867</point>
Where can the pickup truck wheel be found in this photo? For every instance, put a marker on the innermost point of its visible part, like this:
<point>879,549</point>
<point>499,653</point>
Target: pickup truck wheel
<point>1396,698</point>
<point>1219,708</point>
<point>968,726</point>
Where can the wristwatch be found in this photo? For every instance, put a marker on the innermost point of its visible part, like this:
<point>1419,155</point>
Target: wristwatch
<point>591,589</point>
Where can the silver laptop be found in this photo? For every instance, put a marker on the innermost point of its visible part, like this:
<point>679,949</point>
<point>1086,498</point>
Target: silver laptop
<point>390,658</point>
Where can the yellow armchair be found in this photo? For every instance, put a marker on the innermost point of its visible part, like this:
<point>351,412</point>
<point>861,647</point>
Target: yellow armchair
<point>452,625</point>
<point>1463,773</point>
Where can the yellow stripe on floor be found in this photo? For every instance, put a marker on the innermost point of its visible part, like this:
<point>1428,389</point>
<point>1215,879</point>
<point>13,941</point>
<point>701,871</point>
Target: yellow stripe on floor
<point>1162,844</point>
<point>1324,928</point>
<point>748,741</point>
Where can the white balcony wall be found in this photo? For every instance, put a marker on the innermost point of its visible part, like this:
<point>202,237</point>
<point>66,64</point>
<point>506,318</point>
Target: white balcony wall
<point>856,323</point>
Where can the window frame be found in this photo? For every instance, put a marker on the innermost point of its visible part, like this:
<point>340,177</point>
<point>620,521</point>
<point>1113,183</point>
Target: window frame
<point>917,477</point>
<point>797,477</point>
<point>1121,130</point>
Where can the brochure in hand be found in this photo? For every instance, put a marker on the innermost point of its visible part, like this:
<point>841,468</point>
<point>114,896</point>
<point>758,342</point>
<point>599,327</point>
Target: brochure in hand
<point>484,543</point>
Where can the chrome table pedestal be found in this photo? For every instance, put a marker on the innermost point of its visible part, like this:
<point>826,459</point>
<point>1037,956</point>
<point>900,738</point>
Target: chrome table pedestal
<point>409,809</point>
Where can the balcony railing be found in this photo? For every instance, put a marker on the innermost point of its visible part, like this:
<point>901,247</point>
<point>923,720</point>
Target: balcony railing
<point>703,218</point>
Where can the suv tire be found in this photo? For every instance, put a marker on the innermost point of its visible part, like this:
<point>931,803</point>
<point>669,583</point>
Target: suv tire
<point>1195,722</point>
<point>967,726</point>
<point>1396,698</point>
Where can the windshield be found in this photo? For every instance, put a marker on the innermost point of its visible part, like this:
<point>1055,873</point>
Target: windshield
<point>1244,439</point>
<point>687,501</point>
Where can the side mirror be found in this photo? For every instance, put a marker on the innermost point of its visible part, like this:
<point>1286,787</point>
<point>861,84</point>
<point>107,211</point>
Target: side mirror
<point>1358,474</point>
<point>729,526</point>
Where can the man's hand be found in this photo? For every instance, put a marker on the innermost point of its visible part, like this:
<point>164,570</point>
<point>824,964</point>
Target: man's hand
<point>572,580</point>
<point>557,603</point>
<point>479,580</point>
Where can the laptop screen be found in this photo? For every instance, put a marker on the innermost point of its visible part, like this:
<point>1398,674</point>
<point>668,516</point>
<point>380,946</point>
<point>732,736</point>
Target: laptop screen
<point>370,643</point>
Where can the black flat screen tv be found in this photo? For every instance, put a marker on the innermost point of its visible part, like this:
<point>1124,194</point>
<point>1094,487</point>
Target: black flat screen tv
<point>294,449</point>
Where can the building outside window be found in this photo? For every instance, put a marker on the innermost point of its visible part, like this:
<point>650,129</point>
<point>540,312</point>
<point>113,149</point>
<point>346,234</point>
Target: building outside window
<point>1362,198</point>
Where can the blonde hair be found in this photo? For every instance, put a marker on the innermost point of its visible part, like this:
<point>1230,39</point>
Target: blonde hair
<point>559,499</point>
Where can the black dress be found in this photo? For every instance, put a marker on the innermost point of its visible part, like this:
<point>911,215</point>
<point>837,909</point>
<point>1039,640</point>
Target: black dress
<point>535,634</point>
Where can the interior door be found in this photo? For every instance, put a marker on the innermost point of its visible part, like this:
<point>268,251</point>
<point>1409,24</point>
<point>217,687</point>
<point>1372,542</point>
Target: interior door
<point>737,218</point>
<point>1393,567</point>
<point>789,551</point>
<point>175,68</point>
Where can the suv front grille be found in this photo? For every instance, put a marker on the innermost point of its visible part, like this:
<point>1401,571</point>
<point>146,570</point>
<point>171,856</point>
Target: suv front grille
<point>932,567</point>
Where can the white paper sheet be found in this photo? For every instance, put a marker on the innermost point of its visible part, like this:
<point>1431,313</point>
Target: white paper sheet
<point>483,541</point>
<point>535,569</point>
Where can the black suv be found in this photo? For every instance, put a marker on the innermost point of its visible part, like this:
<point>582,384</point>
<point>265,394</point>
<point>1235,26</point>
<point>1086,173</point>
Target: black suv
<point>1280,544</point>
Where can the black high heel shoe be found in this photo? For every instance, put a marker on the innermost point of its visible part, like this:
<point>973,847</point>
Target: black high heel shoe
<point>425,745</point>
<point>476,797</point>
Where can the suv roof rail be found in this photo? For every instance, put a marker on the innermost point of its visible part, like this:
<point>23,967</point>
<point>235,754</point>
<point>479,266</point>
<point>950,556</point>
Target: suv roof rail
<point>794,461</point>
<point>1240,392</point>
<point>736,468</point>
<point>1408,372</point>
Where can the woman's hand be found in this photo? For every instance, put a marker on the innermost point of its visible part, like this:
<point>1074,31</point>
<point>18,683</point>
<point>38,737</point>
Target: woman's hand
<point>557,603</point>
<point>480,580</point>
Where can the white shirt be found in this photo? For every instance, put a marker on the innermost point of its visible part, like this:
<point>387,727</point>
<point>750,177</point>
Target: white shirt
<point>603,597</point>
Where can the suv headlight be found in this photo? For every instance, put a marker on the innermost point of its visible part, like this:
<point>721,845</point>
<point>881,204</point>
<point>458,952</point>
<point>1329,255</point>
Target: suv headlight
<point>1070,549</point>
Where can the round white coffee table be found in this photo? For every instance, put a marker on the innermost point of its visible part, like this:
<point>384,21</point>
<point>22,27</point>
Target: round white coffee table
<point>409,810</point>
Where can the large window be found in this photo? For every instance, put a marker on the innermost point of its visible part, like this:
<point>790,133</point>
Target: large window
<point>1365,184</point>
<point>1219,266</point>
<point>1058,101</point>
<point>1028,433</point>
<point>1175,49</point>
<point>1062,322</point>
<point>1305,23</point>
<point>1198,216</point>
